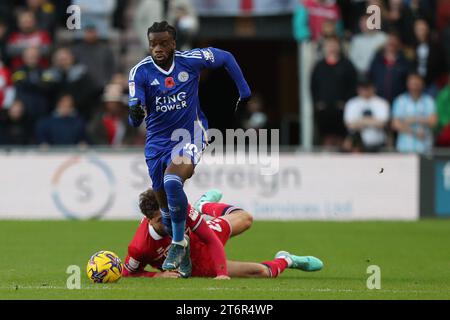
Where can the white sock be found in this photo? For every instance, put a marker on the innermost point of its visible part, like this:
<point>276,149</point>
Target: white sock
<point>288,260</point>
<point>181,243</point>
<point>201,206</point>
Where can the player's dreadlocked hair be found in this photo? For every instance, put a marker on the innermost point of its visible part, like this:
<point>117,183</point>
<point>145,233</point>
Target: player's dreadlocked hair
<point>148,203</point>
<point>162,26</point>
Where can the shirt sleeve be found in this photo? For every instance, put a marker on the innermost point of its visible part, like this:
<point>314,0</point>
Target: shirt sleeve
<point>132,261</point>
<point>194,218</point>
<point>382,111</point>
<point>350,112</point>
<point>397,110</point>
<point>136,86</point>
<point>431,107</point>
<point>212,58</point>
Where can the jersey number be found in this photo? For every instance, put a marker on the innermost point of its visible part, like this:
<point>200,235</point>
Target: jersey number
<point>191,149</point>
<point>214,225</point>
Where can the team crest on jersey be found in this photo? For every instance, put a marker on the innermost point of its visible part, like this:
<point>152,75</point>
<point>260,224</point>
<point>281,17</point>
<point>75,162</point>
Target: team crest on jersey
<point>183,76</point>
<point>169,83</point>
<point>132,88</point>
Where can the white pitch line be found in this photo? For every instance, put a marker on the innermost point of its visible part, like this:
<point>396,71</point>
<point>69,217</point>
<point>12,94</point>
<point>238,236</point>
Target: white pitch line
<point>324,290</point>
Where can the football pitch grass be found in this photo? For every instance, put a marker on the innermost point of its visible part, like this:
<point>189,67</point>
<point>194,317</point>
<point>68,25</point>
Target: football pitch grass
<point>414,258</point>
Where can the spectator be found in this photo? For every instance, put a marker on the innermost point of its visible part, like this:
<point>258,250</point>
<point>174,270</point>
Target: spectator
<point>429,56</point>
<point>30,85</point>
<point>400,18</point>
<point>442,15</point>
<point>423,9</point>
<point>365,45</point>
<point>333,83</point>
<point>14,125</point>
<point>122,80</point>
<point>63,127</point>
<point>147,12</point>
<point>329,30</point>
<point>446,42</point>
<point>187,27</point>
<point>45,13</point>
<point>255,117</point>
<point>7,11</point>
<point>443,114</point>
<point>4,29</point>
<point>6,89</point>
<point>110,125</point>
<point>97,56</point>
<point>98,13</point>
<point>414,117</point>
<point>70,77</point>
<point>28,36</point>
<point>318,12</point>
<point>389,69</point>
<point>352,10</point>
<point>366,117</point>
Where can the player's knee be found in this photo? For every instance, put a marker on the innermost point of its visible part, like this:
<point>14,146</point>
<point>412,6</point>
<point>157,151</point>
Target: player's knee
<point>247,220</point>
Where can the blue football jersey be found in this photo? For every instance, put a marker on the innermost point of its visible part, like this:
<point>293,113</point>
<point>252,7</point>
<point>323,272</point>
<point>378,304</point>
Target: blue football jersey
<point>170,98</point>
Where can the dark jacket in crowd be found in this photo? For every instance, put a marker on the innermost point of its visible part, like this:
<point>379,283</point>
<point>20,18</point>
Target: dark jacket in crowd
<point>14,132</point>
<point>332,84</point>
<point>32,90</point>
<point>56,130</point>
<point>75,82</point>
<point>436,62</point>
<point>390,81</point>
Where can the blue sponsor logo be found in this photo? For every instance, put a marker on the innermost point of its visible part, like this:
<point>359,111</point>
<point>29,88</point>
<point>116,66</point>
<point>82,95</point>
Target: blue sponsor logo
<point>442,187</point>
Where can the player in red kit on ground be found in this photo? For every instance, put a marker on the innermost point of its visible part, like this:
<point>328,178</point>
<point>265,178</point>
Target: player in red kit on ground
<point>151,243</point>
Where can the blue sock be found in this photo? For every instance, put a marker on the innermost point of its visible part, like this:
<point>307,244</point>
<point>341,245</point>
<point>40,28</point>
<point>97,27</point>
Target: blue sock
<point>178,204</point>
<point>165,214</point>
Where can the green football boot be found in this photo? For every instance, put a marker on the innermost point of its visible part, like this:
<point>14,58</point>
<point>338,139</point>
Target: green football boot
<point>212,195</point>
<point>304,263</point>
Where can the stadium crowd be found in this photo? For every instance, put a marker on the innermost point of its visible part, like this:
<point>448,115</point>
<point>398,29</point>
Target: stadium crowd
<point>382,86</point>
<point>69,87</point>
<point>372,88</point>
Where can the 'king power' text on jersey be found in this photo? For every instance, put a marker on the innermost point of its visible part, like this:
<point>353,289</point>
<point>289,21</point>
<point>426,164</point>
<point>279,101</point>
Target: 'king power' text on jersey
<point>170,98</point>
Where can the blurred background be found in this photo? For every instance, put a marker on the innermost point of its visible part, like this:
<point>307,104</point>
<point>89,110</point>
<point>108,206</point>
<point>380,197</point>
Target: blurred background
<point>304,59</point>
<point>318,72</point>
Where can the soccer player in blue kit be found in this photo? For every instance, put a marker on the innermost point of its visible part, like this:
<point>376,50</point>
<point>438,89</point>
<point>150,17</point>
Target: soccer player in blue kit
<point>163,90</point>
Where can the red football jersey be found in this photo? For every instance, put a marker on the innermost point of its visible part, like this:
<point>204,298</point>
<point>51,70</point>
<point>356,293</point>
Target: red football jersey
<point>202,263</point>
<point>149,248</point>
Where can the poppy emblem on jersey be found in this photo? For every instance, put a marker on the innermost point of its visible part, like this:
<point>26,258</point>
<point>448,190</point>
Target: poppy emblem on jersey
<point>183,76</point>
<point>170,83</point>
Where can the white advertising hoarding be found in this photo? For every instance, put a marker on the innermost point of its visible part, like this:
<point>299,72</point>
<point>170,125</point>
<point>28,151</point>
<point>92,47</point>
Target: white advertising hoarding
<point>307,186</point>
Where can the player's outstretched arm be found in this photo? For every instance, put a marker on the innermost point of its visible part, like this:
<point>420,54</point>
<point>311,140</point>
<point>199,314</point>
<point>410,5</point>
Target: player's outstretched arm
<point>222,58</point>
<point>134,269</point>
<point>148,274</point>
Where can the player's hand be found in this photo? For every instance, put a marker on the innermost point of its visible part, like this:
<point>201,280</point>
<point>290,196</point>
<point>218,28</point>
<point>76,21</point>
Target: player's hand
<point>222,277</point>
<point>137,112</point>
<point>168,275</point>
<point>241,104</point>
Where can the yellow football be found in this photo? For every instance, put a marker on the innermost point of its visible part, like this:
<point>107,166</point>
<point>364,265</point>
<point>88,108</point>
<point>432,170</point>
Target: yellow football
<point>104,267</point>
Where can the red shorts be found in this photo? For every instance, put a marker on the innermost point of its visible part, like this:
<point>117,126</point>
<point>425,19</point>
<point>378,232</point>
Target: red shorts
<point>202,265</point>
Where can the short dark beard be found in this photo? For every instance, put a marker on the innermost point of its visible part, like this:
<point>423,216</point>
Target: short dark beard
<point>166,64</point>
